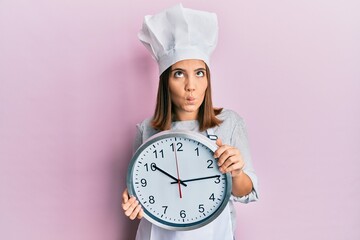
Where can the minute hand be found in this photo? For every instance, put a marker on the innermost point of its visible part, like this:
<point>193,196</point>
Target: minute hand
<point>172,177</point>
<point>197,179</point>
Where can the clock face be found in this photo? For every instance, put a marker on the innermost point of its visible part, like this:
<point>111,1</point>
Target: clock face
<point>176,179</point>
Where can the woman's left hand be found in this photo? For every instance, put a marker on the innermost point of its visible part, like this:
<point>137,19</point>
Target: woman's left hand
<point>229,159</point>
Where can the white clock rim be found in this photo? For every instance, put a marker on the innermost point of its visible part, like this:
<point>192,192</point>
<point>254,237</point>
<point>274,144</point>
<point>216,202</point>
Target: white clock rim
<point>181,134</point>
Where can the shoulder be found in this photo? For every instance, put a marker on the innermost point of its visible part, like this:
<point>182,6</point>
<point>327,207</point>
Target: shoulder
<point>145,128</point>
<point>230,117</point>
<point>232,125</point>
<point>145,124</point>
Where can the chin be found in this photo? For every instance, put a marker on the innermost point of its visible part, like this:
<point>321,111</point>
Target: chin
<point>191,108</point>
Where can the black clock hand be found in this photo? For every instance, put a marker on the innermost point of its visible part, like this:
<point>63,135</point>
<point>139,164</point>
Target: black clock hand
<point>167,174</point>
<point>197,179</point>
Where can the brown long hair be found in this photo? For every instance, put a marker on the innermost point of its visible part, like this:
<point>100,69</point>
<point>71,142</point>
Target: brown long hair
<point>163,115</point>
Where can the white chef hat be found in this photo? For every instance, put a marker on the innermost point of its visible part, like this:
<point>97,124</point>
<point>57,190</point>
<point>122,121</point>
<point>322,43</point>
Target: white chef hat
<point>179,33</point>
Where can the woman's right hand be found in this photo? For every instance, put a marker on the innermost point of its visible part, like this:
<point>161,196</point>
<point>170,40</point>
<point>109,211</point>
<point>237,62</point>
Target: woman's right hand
<point>131,206</point>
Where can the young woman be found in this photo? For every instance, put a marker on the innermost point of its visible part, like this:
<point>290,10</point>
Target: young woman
<point>184,102</point>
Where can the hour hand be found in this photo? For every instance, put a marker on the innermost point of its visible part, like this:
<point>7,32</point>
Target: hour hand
<point>172,177</point>
<point>196,179</point>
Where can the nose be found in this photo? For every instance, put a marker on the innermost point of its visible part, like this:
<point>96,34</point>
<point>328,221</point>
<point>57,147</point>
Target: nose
<point>190,84</point>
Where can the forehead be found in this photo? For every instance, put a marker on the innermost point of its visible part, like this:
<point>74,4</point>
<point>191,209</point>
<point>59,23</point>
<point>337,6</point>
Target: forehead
<point>189,64</point>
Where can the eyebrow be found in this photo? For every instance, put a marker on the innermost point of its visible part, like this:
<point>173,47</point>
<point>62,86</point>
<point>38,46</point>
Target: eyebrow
<point>180,69</point>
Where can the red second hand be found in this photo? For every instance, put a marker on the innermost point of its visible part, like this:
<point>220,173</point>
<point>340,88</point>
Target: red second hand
<point>177,171</point>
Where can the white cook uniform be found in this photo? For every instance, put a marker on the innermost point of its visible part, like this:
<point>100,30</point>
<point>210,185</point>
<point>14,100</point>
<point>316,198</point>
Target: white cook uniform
<point>231,132</point>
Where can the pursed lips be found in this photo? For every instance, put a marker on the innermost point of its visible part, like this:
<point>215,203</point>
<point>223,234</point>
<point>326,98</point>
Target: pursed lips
<point>190,100</point>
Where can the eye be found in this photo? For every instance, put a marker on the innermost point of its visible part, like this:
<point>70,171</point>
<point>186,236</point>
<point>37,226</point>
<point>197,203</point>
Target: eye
<point>178,74</point>
<point>200,73</point>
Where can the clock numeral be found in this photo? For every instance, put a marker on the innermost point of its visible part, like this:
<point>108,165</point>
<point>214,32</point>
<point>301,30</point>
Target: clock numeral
<point>201,208</point>
<point>143,182</point>
<point>165,208</point>
<point>211,162</point>
<point>197,151</point>
<point>212,197</point>
<point>161,153</point>
<point>182,214</point>
<point>217,180</point>
<point>151,199</point>
<point>152,167</point>
<point>179,145</point>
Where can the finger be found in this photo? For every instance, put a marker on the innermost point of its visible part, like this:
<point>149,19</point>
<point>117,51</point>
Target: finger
<point>125,196</point>
<point>131,208</point>
<point>235,168</point>
<point>227,153</point>
<point>229,161</point>
<point>141,214</point>
<point>220,150</point>
<point>129,203</point>
<point>230,156</point>
<point>135,213</point>
<point>219,142</point>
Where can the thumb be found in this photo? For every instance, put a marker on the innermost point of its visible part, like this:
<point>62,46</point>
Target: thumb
<point>219,142</point>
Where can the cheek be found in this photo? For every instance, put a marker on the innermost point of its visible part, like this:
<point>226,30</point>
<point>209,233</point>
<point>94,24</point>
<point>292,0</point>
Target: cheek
<point>173,93</point>
<point>204,88</point>
<point>176,90</point>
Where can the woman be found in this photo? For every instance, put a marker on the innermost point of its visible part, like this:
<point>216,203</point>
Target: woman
<point>184,101</point>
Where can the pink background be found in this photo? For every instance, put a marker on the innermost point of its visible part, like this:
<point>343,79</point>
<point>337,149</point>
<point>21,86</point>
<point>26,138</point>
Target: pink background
<point>74,81</point>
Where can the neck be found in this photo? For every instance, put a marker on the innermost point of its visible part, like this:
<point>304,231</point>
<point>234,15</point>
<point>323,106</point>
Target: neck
<point>185,116</point>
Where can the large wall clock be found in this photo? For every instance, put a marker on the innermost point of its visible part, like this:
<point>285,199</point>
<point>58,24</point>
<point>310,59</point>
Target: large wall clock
<point>176,179</point>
